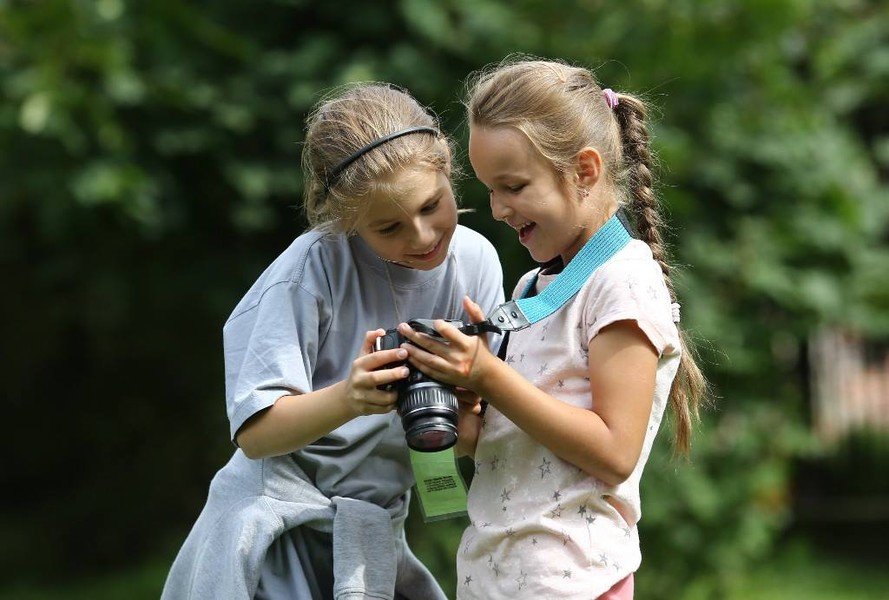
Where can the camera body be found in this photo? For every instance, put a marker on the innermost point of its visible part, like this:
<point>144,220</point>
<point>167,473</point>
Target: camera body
<point>427,407</point>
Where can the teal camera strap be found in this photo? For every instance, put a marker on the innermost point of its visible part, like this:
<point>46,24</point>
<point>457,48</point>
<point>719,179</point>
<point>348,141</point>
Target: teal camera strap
<point>516,315</point>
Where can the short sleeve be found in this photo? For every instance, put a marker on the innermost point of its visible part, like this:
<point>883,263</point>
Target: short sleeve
<point>632,290</point>
<point>270,350</point>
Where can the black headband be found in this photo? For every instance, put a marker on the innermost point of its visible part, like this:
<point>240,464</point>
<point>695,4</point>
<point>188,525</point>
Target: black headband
<point>335,173</point>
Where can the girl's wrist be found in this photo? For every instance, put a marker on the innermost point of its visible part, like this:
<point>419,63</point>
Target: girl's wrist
<point>345,407</point>
<point>486,363</point>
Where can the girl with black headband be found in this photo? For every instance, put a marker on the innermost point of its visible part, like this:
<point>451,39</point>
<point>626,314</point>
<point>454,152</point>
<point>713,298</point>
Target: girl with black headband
<point>312,503</point>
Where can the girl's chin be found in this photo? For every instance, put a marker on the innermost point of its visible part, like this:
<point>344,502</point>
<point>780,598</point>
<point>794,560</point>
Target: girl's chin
<point>538,256</point>
<point>421,264</point>
<point>427,265</point>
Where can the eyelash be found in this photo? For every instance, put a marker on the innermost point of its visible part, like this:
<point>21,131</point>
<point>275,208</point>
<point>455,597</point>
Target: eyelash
<point>512,189</point>
<point>428,209</point>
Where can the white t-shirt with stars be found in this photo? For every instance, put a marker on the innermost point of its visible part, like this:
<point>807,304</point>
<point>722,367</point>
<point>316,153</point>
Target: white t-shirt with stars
<point>539,526</point>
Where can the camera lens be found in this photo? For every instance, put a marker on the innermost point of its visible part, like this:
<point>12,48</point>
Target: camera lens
<point>428,413</point>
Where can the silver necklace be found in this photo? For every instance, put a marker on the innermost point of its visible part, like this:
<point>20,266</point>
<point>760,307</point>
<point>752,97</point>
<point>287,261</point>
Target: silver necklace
<point>392,290</point>
<point>454,301</point>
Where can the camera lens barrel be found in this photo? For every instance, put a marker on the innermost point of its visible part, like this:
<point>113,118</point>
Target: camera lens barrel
<point>428,413</point>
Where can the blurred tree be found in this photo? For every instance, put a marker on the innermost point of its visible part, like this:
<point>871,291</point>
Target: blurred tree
<point>149,171</point>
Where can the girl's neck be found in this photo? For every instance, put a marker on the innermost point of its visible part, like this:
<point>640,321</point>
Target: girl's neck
<point>594,223</point>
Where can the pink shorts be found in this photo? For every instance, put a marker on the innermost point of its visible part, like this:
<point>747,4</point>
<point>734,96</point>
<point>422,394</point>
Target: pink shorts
<point>622,590</point>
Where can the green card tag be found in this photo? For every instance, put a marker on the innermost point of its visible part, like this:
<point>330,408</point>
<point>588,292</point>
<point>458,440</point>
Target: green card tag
<point>440,487</point>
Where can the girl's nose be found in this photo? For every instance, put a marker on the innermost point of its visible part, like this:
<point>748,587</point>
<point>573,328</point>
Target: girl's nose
<point>499,210</point>
<point>424,236</point>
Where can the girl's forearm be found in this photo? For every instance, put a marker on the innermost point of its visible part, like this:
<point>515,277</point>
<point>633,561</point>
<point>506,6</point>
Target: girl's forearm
<point>574,434</point>
<point>293,422</point>
<point>468,428</point>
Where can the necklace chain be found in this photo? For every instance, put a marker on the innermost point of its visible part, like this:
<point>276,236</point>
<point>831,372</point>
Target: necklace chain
<point>386,263</point>
<point>392,289</point>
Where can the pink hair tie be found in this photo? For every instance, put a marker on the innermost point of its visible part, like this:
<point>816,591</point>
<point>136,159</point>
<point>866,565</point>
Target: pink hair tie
<point>610,98</point>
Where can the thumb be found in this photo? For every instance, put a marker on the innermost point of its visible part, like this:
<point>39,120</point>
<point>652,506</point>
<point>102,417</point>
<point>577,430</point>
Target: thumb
<point>369,338</point>
<point>472,309</point>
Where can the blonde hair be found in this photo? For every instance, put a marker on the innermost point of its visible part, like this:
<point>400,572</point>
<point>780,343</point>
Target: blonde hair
<point>346,121</point>
<point>561,109</point>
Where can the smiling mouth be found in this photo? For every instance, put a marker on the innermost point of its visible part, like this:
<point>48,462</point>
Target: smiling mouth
<point>525,231</point>
<point>427,256</point>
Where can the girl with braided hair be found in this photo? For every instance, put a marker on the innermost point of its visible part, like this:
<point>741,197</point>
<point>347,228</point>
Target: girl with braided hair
<point>577,398</point>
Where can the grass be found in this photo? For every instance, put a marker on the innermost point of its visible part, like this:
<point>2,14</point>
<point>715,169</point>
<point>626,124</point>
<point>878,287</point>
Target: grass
<point>798,572</point>
<point>143,582</point>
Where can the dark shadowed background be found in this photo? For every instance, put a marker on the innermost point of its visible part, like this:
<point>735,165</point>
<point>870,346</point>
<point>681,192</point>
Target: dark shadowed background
<point>149,171</point>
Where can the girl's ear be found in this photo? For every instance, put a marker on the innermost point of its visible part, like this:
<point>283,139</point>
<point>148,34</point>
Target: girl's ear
<point>588,168</point>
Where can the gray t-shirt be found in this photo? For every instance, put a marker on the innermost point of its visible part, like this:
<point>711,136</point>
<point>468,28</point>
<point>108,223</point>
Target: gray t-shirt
<point>303,322</point>
<point>298,329</point>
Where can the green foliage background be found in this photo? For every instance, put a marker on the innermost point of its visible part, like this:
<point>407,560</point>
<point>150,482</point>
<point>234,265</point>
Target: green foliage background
<point>149,171</point>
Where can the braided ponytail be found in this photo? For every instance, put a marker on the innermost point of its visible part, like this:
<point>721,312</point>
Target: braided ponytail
<point>562,110</point>
<point>690,386</point>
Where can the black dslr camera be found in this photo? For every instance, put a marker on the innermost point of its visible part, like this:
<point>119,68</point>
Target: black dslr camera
<point>427,407</point>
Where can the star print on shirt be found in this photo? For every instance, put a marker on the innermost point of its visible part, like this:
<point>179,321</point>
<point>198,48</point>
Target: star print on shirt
<point>468,580</point>
<point>494,462</point>
<point>510,359</point>
<point>556,513</point>
<point>566,574</point>
<point>631,285</point>
<point>496,569</point>
<point>603,559</point>
<point>541,369</point>
<point>522,579</point>
<point>557,495</point>
<point>543,336</point>
<point>544,467</point>
<point>504,495</point>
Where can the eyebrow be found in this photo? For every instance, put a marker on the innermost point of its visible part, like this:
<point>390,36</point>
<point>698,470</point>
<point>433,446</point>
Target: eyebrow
<point>509,175</point>
<point>436,195</point>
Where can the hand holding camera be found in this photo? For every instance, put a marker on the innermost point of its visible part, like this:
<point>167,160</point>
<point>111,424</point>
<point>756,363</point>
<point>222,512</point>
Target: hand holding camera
<point>452,356</point>
<point>370,381</point>
<point>429,406</point>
